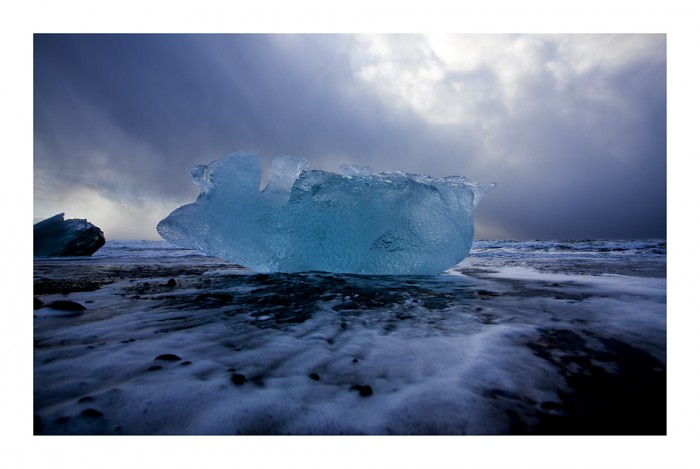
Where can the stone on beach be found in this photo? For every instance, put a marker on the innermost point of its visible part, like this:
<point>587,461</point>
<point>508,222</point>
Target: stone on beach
<point>58,237</point>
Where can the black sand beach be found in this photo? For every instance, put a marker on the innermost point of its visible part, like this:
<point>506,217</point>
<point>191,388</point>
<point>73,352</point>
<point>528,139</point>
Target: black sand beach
<point>565,338</point>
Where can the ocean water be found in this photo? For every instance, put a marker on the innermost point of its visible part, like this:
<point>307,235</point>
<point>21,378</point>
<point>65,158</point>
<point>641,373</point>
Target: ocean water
<point>536,337</point>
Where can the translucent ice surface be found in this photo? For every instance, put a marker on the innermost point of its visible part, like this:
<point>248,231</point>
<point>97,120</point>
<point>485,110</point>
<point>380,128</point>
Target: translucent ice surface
<point>311,220</point>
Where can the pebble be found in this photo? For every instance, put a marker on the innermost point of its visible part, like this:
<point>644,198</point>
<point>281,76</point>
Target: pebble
<point>171,283</point>
<point>93,413</point>
<point>364,390</point>
<point>171,357</point>
<point>314,376</point>
<point>238,379</point>
<point>65,305</point>
<point>486,293</point>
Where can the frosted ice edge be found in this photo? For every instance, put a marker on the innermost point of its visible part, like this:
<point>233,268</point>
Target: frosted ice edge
<point>312,220</point>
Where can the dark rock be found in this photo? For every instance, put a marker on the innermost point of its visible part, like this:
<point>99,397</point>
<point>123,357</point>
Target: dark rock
<point>171,357</point>
<point>238,379</point>
<point>364,390</point>
<point>186,363</point>
<point>486,293</point>
<point>38,303</point>
<point>37,424</point>
<point>155,368</point>
<point>65,305</point>
<point>92,413</point>
<point>314,376</point>
<point>58,237</point>
<point>171,283</point>
<point>86,399</point>
<point>355,360</point>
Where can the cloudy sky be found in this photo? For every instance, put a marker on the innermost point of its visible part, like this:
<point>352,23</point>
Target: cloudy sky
<point>571,127</point>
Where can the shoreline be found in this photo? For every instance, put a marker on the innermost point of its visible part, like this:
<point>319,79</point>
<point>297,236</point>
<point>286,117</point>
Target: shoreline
<point>497,345</point>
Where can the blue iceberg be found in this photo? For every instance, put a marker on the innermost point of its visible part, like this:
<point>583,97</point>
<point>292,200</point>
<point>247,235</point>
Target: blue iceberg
<point>354,221</point>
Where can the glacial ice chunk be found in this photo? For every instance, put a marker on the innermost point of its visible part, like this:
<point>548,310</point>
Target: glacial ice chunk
<point>311,220</point>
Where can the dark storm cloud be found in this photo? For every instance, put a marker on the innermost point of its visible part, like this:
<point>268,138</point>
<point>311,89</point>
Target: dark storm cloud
<point>598,170</point>
<point>128,116</point>
<point>147,108</point>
